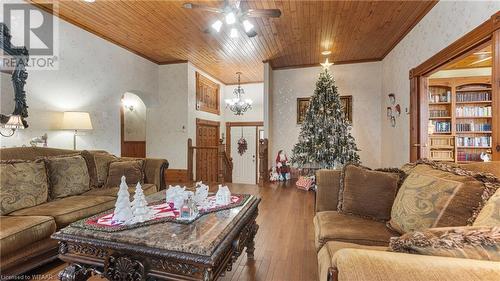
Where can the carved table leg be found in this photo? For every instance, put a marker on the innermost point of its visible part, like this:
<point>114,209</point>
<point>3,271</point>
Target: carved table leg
<point>74,272</point>
<point>251,242</point>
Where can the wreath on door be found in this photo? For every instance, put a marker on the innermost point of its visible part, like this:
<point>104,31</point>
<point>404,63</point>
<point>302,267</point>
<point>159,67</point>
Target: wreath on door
<point>242,144</point>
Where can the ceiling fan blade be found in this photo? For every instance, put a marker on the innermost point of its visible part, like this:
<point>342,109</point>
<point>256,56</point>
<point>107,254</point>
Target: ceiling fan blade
<point>202,7</point>
<point>264,13</point>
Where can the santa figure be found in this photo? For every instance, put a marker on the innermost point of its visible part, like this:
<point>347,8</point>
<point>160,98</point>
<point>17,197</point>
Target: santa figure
<point>282,165</point>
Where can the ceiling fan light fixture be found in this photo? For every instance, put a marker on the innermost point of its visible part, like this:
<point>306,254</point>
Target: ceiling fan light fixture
<point>247,25</point>
<point>326,53</point>
<point>233,33</point>
<point>230,18</point>
<point>217,25</point>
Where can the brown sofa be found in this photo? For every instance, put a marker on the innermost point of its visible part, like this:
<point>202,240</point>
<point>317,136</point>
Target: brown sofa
<point>25,234</point>
<point>354,248</point>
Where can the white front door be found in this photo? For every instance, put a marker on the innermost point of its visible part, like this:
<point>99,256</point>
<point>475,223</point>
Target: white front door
<point>244,166</point>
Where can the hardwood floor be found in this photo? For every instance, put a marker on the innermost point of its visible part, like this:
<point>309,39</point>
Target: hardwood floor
<point>284,245</point>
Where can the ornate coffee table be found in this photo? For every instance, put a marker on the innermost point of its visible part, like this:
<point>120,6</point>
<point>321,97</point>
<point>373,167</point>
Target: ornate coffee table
<point>202,250</point>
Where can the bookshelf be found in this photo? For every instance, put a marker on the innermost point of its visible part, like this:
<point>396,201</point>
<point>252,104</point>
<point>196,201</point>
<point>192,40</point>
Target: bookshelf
<point>460,118</point>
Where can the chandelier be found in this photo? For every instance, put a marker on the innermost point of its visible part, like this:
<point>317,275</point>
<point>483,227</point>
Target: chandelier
<point>238,105</point>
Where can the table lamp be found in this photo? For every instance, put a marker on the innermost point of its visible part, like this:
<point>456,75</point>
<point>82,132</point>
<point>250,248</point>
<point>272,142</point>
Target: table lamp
<point>74,120</point>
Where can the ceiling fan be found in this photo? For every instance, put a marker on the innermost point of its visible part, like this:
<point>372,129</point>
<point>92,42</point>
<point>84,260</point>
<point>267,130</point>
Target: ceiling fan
<point>234,17</point>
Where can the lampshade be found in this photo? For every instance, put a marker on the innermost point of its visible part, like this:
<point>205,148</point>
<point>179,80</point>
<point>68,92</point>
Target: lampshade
<point>14,122</point>
<point>73,120</point>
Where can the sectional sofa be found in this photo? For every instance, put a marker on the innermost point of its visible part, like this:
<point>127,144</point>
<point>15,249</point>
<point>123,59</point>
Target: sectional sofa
<point>29,218</point>
<point>358,245</point>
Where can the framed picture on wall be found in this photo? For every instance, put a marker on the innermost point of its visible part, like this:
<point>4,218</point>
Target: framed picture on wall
<point>303,105</point>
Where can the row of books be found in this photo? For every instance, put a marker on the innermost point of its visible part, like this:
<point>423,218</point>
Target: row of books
<point>442,97</point>
<point>468,156</point>
<point>473,111</point>
<point>442,126</point>
<point>473,96</point>
<point>472,127</point>
<point>474,141</point>
<point>439,113</point>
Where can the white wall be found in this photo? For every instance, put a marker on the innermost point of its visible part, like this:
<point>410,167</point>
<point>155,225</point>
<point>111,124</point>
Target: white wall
<point>167,131</point>
<point>444,24</point>
<point>253,91</point>
<point>93,74</point>
<point>362,81</point>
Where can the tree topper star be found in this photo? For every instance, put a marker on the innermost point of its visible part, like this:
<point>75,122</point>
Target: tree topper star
<point>326,64</point>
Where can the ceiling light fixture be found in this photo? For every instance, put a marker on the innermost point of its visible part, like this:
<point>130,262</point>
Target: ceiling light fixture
<point>233,33</point>
<point>89,1</point>
<point>230,18</point>
<point>326,53</point>
<point>238,105</point>
<point>217,25</point>
<point>247,25</point>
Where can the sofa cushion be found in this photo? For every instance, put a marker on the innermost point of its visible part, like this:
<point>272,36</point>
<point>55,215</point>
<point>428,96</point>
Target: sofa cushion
<point>333,226</point>
<point>70,209</point>
<point>490,213</point>
<point>326,256</point>
<point>18,232</point>
<point>467,242</point>
<point>435,195</point>
<point>23,184</point>
<point>102,161</point>
<point>113,191</point>
<point>132,170</point>
<point>367,193</point>
<point>68,175</point>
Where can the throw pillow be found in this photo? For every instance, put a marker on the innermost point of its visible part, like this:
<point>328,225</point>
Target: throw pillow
<point>102,161</point>
<point>437,195</point>
<point>367,193</point>
<point>23,184</point>
<point>68,175</point>
<point>132,170</point>
<point>490,213</point>
<point>469,242</point>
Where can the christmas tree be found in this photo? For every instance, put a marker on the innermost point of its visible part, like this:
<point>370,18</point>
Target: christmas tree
<point>123,211</point>
<point>140,205</point>
<point>325,140</point>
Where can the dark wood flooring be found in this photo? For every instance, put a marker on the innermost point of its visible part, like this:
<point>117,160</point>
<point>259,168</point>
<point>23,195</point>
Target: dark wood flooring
<point>284,246</point>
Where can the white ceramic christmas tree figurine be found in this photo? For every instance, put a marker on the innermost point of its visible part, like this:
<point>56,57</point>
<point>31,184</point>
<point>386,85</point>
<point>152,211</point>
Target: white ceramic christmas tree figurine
<point>123,211</point>
<point>141,209</point>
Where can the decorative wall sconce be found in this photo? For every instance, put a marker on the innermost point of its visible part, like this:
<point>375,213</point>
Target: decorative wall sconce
<point>128,104</point>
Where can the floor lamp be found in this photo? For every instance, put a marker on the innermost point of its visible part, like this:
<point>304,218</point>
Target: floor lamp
<point>74,120</point>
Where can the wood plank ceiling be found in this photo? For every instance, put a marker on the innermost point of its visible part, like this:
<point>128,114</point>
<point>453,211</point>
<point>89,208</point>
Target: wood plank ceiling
<point>164,32</point>
<point>480,58</point>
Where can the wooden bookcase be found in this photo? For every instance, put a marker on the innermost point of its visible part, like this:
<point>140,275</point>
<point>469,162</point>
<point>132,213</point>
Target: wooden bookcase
<point>460,109</point>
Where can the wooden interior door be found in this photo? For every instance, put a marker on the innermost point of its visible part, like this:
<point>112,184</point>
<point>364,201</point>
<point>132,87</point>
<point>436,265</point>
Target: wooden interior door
<point>207,141</point>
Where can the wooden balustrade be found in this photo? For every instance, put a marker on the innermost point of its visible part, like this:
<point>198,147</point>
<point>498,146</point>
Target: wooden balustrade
<point>263,161</point>
<point>224,168</point>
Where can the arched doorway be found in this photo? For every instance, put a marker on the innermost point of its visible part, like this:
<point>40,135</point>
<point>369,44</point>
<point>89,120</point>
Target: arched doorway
<point>133,126</point>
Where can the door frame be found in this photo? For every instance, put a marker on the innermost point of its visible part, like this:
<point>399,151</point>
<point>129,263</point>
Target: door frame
<point>255,124</point>
<point>489,31</point>
<point>210,123</point>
